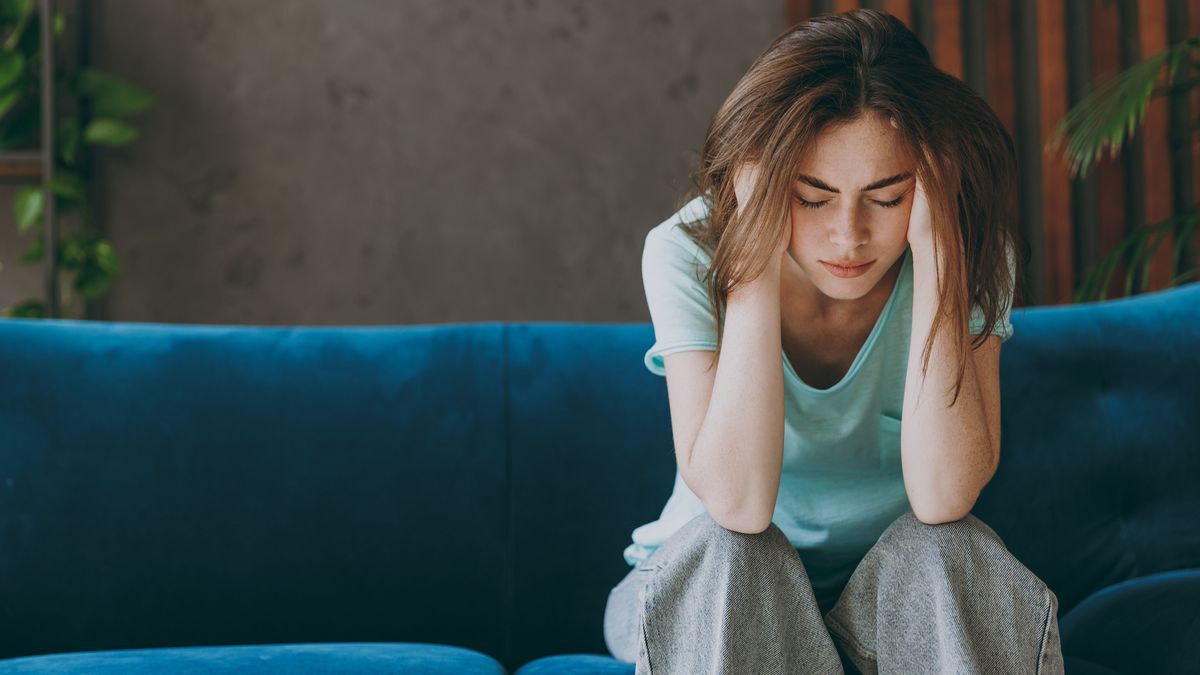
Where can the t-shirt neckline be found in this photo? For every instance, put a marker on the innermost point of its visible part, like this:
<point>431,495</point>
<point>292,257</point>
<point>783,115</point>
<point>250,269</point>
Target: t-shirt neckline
<point>864,351</point>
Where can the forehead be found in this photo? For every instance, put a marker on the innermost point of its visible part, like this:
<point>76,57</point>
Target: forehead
<point>852,154</point>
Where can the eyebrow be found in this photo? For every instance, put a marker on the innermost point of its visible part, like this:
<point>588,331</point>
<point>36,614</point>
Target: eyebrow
<point>881,183</point>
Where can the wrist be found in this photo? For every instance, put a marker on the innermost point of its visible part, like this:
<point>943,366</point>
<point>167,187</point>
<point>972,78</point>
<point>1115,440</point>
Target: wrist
<point>765,284</point>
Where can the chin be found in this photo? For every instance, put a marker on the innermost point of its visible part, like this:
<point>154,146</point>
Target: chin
<point>847,289</point>
<point>841,288</point>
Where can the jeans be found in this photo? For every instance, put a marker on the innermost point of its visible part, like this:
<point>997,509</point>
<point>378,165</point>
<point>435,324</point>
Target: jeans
<point>945,598</point>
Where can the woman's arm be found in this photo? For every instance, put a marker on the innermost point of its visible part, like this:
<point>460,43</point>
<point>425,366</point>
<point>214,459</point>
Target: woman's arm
<point>947,453</point>
<point>736,460</point>
<point>737,457</point>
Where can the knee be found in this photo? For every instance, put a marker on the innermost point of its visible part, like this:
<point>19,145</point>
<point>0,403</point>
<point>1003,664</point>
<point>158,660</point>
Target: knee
<point>943,538</point>
<point>712,533</point>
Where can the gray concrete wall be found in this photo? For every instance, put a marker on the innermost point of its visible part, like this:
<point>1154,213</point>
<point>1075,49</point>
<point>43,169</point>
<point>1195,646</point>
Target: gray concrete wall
<point>406,161</point>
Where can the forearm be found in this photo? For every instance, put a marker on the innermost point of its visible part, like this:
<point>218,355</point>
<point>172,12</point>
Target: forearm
<point>737,457</point>
<point>946,451</point>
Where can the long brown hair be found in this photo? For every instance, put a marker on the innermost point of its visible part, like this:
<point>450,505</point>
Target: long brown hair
<point>832,69</point>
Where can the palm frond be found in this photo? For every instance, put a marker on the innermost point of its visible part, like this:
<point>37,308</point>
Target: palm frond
<point>1137,250</point>
<point>1111,113</point>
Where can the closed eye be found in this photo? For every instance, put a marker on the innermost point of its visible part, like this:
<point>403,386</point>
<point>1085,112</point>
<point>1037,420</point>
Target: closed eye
<point>816,205</point>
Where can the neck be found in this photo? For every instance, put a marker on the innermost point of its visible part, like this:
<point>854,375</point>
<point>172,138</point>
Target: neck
<point>802,300</point>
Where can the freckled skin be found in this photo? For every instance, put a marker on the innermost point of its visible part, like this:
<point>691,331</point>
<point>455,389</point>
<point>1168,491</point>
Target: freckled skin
<point>852,224</point>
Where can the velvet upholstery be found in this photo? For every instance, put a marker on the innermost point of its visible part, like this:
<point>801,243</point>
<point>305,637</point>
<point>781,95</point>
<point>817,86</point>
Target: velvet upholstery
<point>346,488</point>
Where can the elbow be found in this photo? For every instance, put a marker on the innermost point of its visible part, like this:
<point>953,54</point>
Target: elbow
<point>744,520</point>
<point>936,514</point>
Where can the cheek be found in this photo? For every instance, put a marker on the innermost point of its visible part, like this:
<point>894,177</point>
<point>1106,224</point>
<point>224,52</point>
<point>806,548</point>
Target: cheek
<point>805,222</point>
<point>892,221</point>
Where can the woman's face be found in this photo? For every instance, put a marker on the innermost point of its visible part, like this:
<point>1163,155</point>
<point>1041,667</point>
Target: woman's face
<point>851,202</point>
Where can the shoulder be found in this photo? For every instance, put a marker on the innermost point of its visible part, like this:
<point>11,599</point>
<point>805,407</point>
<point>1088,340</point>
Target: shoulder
<point>668,245</point>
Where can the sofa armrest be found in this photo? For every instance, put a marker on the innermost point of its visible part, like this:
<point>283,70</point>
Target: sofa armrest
<point>1147,624</point>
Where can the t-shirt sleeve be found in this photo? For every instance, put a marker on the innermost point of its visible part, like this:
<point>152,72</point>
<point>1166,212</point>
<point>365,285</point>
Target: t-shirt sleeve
<point>673,277</point>
<point>1003,326</point>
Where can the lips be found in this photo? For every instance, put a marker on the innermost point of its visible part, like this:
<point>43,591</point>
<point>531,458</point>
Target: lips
<point>848,272</point>
<point>847,263</point>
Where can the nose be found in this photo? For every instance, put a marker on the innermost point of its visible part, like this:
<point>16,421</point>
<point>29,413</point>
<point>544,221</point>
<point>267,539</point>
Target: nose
<point>844,232</point>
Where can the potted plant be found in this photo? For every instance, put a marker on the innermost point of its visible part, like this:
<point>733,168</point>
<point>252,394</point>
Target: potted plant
<point>103,106</point>
<point>1104,119</point>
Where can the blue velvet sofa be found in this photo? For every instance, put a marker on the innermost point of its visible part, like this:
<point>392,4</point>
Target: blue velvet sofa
<point>455,498</point>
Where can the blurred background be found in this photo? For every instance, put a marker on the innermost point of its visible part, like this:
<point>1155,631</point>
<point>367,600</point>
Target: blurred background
<point>428,161</point>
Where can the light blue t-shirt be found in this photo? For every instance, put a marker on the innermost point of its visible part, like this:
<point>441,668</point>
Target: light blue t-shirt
<point>841,483</point>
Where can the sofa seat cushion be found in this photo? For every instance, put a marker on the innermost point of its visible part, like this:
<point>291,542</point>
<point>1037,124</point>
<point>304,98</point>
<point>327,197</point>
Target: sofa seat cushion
<point>345,657</point>
<point>576,664</point>
<point>590,664</point>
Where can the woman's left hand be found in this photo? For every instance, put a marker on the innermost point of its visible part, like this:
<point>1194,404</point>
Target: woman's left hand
<point>920,226</point>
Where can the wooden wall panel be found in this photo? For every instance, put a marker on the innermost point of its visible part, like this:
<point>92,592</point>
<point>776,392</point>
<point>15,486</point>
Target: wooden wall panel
<point>947,36</point>
<point>1056,207</point>
<point>901,9</point>
<point>1156,157</point>
<point>1111,221</point>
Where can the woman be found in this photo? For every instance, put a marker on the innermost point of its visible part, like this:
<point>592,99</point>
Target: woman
<point>828,314</point>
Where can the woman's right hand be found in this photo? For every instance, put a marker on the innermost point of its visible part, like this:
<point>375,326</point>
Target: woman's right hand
<point>744,179</point>
<point>743,184</point>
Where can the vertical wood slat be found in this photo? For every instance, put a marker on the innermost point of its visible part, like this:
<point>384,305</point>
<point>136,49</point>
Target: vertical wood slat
<point>1056,207</point>
<point>795,11</point>
<point>1156,153</point>
<point>1001,89</point>
<point>1183,194</point>
<point>901,9</point>
<point>1132,156</point>
<point>840,6</point>
<point>1028,140</point>
<point>922,24</point>
<point>947,32</point>
<point>1110,172</point>
<point>1193,28</point>
<point>974,41</point>
<point>1083,190</point>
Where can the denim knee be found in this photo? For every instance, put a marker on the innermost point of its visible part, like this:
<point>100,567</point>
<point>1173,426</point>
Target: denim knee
<point>909,527</point>
<point>704,531</point>
<point>948,541</point>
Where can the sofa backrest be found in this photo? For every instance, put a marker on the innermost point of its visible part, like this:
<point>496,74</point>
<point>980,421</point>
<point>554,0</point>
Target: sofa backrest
<point>475,484</point>
<point>166,485</point>
<point>1099,475</point>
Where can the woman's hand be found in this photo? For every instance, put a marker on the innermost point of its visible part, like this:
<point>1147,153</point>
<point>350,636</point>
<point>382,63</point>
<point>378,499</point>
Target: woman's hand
<point>743,184</point>
<point>920,225</point>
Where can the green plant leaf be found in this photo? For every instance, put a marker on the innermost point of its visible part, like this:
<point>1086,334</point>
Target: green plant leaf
<point>1184,277</point>
<point>9,99</point>
<point>110,96</point>
<point>60,23</point>
<point>1156,240</point>
<point>106,257</point>
<point>68,184</point>
<point>92,282</point>
<point>22,125</point>
<point>28,207</point>
<point>20,12</point>
<point>1111,112</point>
<point>72,253</point>
<point>1131,267</point>
<point>35,251</point>
<point>15,9</point>
<point>12,66</point>
<point>28,309</point>
<point>1182,235</point>
<point>108,131</point>
<point>67,140</point>
<point>1138,250</point>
